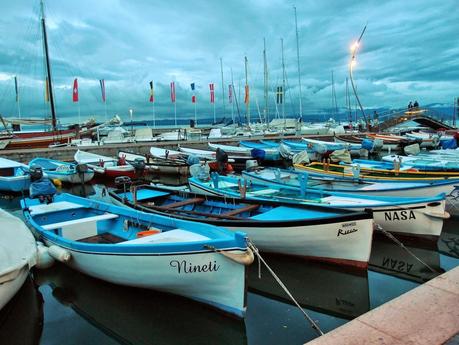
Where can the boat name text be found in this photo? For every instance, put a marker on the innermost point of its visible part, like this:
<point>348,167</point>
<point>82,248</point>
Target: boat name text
<point>185,266</point>
<point>399,215</point>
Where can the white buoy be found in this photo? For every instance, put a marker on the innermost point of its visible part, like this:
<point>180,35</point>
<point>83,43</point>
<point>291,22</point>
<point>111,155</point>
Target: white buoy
<point>59,254</point>
<point>44,260</point>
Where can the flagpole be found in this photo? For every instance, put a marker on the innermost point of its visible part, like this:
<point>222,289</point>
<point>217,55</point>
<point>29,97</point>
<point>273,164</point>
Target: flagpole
<point>223,87</point>
<point>154,117</point>
<point>195,114</point>
<point>105,107</point>
<point>175,113</point>
<point>16,86</point>
<point>79,114</point>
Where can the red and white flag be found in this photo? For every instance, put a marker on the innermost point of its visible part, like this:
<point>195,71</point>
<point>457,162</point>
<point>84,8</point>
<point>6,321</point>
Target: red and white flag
<point>75,90</point>
<point>212,93</point>
<point>172,92</point>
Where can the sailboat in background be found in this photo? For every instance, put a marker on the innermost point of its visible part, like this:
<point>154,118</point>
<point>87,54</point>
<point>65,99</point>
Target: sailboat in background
<point>38,139</point>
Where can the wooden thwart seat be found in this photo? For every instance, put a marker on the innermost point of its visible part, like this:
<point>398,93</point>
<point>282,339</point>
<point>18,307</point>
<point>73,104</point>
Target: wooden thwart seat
<point>236,211</point>
<point>104,216</point>
<point>184,202</point>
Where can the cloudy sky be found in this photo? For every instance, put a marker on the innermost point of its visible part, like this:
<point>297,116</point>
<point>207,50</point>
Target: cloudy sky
<point>410,51</point>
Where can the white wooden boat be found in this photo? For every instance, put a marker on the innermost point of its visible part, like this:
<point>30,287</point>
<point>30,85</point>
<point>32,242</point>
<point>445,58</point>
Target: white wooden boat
<point>198,261</point>
<point>18,253</point>
<point>410,216</point>
<point>165,153</point>
<point>299,230</point>
<point>103,165</point>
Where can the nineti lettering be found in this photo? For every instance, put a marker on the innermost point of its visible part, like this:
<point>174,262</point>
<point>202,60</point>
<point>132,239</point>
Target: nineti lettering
<point>185,266</point>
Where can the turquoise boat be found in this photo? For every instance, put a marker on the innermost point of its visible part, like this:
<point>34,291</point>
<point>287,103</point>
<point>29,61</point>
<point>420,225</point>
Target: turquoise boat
<point>14,176</point>
<point>64,171</point>
<point>132,248</point>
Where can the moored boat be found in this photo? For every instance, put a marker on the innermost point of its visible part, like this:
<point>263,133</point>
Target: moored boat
<point>64,171</point>
<point>299,230</point>
<point>14,176</point>
<point>197,261</point>
<point>157,165</point>
<point>106,166</point>
<point>295,178</point>
<point>411,216</point>
<point>354,171</point>
<point>18,253</point>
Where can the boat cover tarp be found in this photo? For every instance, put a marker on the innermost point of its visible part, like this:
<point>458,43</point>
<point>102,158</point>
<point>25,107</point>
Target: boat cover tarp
<point>42,187</point>
<point>341,156</point>
<point>412,149</point>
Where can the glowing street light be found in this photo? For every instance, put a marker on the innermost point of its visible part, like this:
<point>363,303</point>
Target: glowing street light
<point>352,63</point>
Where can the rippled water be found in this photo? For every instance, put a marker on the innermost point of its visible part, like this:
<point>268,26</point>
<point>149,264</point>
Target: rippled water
<point>62,306</point>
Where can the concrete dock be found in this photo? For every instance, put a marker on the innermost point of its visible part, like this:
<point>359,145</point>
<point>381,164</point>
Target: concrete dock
<point>426,315</point>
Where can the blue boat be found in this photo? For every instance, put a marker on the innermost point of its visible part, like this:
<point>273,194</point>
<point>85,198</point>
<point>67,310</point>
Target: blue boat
<point>14,176</point>
<point>422,216</point>
<point>133,248</point>
<point>293,178</point>
<point>300,230</point>
<point>64,171</point>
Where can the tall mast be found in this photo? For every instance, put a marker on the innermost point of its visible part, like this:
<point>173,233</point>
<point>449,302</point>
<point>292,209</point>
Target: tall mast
<point>223,87</point>
<point>283,80</point>
<point>247,95</point>
<point>48,68</point>
<point>265,111</point>
<point>334,101</point>
<point>348,100</point>
<point>298,62</point>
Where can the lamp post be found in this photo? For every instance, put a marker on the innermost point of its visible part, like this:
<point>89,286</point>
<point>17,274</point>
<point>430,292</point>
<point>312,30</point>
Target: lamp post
<point>354,49</point>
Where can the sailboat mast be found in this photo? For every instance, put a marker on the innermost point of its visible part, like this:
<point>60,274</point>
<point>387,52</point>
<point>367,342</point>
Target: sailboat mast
<point>247,96</point>
<point>334,101</point>
<point>265,71</point>
<point>48,68</point>
<point>223,88</point>
<point>298,62</point>
<point>283,80</point>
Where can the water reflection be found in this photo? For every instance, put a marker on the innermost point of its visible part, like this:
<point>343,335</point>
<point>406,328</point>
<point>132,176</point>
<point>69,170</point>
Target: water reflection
<point>389,258</point>
<point>21,320</point>
<point>138,316</point>
<point>314,285</point>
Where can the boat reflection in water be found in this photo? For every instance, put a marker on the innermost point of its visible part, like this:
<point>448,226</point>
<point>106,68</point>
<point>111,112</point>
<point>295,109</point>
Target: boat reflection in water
<point>331,294</point>
<point>389,258</point>
<point>139,316</point>
<point>448,244</point>
<point>21,320</point>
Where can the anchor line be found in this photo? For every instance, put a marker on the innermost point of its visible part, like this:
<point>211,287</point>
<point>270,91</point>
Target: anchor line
<point>399,243</point>
<point>313,324</point>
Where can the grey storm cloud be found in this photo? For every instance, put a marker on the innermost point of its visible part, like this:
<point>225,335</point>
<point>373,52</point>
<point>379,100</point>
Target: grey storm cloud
<point>409,51</point>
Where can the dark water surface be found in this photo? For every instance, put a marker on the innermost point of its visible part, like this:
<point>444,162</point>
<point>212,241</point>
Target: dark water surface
<point>63,306</point>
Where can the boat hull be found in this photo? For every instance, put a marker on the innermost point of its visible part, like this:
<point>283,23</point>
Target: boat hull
<point>207,277</point>
<point>14,183</point>
<point>347,243</point>
<point>9,288</point>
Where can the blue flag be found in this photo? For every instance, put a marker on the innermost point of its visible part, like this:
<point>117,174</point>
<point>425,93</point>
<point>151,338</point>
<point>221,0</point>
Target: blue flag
<point>192,86</point>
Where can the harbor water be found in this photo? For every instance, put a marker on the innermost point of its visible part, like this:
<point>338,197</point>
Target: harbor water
<point>63,306</point>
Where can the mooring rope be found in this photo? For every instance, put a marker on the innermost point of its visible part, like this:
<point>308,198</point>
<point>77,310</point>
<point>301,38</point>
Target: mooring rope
<point>282,285</point>
<point>393,238</point>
